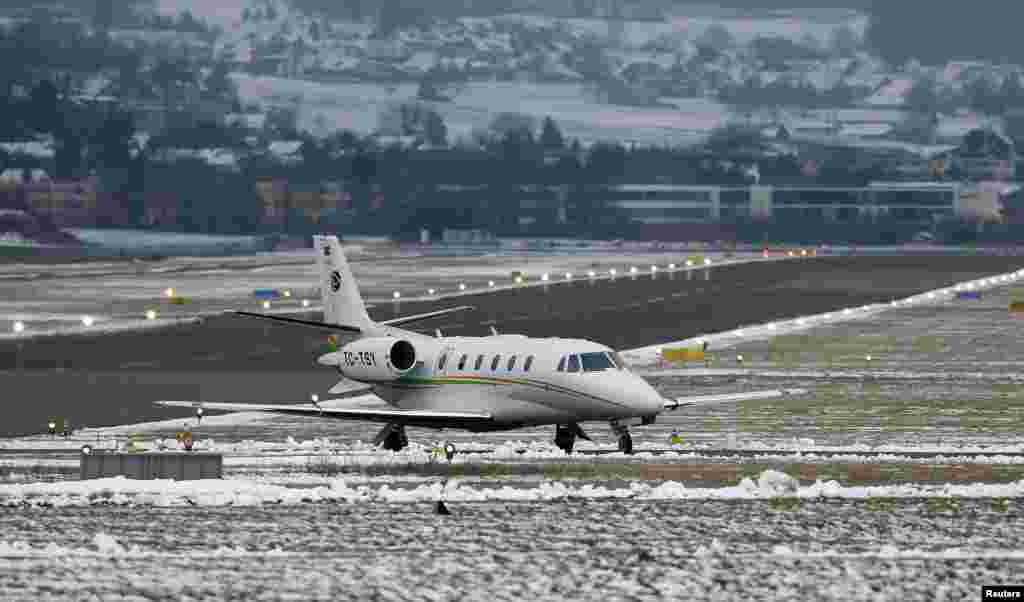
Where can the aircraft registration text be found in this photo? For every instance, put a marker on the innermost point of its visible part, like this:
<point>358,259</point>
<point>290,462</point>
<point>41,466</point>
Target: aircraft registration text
<point>360,358</point>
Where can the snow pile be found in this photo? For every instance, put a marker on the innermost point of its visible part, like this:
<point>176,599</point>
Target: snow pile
<point>770,484</point>
<point>104,545</point>
<point>778,483</point>
<point>892,552</point>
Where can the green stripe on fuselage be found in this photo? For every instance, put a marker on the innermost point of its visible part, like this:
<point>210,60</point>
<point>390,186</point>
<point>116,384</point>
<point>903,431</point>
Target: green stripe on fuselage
<point>461,381</point>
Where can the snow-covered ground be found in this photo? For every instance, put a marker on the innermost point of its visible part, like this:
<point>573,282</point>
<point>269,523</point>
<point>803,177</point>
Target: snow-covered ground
<point>556,549</point>
<point>120,491</point>
<point>357,106</point>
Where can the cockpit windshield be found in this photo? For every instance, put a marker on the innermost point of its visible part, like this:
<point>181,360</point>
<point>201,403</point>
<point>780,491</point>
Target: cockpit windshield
<point>595,362</point>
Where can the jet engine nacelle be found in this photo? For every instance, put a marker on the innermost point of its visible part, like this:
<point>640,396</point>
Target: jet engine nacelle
<point>376,359</point>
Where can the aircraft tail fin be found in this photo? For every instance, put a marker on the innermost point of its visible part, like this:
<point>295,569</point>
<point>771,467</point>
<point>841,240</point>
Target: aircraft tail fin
<point>343,305</point>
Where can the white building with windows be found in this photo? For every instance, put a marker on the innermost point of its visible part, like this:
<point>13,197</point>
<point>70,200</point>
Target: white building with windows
<point>904,201</point>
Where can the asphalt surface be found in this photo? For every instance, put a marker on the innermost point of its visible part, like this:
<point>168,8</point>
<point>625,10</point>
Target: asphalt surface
<point>100,380</point>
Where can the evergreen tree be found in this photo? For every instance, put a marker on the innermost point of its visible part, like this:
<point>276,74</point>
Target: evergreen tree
<point>45,104</point>
<point>434,130</point>
<point>922,97</point>
<point>219,83</point>
<point>550,136</point>
<point>845,42</point>
<point>1012,92</point>
<point>983,97</point>
<point>113,141</point>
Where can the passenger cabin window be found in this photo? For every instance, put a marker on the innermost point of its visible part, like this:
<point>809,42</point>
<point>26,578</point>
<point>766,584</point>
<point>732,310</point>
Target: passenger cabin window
<point>528,363</point>
<point>574,363</point>
<point>511,363</point>
<point>596,362</point>
<point>479,362</point>
<point>462,361</point>
<point>441,362</point>
<point>561,364</point>
<point>495,362</point>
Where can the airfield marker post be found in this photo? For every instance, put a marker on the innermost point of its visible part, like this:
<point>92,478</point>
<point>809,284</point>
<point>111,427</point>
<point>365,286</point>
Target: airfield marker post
<point>19,328</point>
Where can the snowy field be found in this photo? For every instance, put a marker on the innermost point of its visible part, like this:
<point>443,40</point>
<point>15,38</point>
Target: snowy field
<point>565,549</point>
<point>357,107</point>
<point>52,299</point>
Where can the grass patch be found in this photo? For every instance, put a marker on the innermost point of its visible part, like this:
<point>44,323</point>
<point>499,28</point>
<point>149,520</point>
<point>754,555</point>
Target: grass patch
<point>943,505</point>
<point>881,504</point>
<point>784,504</point>
<point>845,409</point>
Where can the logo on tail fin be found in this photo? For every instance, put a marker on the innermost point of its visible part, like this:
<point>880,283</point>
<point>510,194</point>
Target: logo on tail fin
<point>335,281</point>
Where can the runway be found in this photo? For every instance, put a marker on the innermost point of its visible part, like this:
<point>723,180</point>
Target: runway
<point>99,380</point>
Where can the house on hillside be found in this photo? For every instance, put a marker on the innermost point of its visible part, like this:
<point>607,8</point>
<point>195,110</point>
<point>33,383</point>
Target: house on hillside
<point>983,154</point>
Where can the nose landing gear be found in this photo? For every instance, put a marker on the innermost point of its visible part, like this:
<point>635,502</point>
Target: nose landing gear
<point>392,437</point>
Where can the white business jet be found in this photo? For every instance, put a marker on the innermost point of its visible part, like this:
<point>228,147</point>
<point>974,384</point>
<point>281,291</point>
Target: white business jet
<point>490,383</point>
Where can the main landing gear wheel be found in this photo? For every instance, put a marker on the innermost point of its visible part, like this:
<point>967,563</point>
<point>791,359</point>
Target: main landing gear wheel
<point>565,437</point>
<point>626,444</point>
<point>392,437</point>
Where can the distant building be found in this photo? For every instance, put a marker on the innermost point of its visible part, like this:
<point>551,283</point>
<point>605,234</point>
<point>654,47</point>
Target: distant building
<point>160,208</point>
<point>63,202</point>
<point>922,202</point>
<point>542,204</point>
<point>315,202</point>
<point>984,154</point>
<point>451,236</point>
<point>272,198</point>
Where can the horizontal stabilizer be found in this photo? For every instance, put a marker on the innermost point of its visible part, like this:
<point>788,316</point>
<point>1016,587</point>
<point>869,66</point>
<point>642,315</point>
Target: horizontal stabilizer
<point>683,402</point>
<point>418,317</point>
<point>296,322</point>
<point>467,420</point>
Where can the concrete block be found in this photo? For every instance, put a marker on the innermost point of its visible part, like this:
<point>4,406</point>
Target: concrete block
<point>180,466</point>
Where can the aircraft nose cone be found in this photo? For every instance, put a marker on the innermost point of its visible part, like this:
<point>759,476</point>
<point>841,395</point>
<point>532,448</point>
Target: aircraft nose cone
<point>648,399</point>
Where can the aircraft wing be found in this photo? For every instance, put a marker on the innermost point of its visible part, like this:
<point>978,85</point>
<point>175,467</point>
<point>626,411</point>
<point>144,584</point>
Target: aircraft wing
<point>417,317</point>
<point>698,400</point>
<point>422,418</point>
